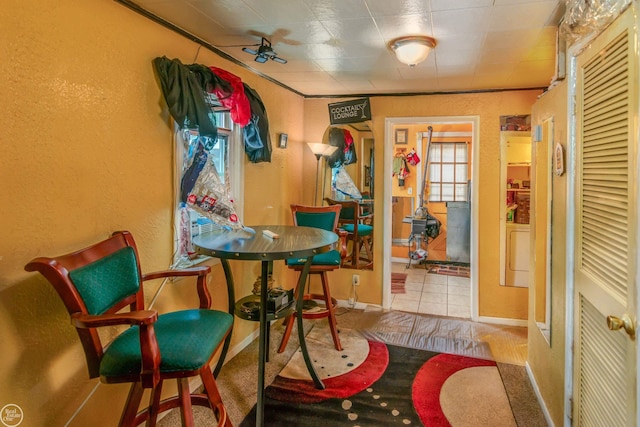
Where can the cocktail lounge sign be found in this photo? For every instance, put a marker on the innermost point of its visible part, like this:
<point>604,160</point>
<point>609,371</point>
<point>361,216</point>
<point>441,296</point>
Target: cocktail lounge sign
<point>354,111</point>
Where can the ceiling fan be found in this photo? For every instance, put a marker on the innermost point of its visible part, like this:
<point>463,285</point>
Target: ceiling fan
<point>265,52</point>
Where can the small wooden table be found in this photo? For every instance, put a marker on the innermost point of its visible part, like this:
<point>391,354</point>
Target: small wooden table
<point>292,242</point>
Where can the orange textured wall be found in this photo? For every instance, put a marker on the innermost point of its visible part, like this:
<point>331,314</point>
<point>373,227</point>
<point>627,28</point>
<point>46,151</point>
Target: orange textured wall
<point>494,300</point>
<point>87,150</point>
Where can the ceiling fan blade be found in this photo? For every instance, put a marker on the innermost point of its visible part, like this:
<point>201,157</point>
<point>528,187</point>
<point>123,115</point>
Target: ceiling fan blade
<point>279,60</point>
<point>251,51</point>
<point>261,59</point>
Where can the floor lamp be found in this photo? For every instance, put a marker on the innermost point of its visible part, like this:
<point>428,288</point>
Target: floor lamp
<point>319,150</point>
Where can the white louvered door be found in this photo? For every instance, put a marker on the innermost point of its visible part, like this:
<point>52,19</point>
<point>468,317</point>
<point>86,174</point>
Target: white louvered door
<point>605,363</point>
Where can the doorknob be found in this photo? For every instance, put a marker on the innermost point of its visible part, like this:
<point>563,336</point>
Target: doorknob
<point>614,323</point>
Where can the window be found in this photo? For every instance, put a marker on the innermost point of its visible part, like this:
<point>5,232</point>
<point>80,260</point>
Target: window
<point>226,155</point>
<point>448,172</point>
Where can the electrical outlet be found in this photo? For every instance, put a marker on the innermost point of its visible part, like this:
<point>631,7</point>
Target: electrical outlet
<point>355,280</point>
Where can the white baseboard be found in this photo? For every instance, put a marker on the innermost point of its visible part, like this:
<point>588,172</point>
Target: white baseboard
<point>345,304</point>
<point>502,321</point>
<point>545,411</point>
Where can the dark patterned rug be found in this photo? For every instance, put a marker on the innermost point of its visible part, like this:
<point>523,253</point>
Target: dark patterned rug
<point>392,386</point>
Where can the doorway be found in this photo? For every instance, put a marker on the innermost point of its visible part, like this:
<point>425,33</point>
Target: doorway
<point>420,125</point>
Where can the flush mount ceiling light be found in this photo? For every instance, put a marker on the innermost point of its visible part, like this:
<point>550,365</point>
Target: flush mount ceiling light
<point>412,50</point>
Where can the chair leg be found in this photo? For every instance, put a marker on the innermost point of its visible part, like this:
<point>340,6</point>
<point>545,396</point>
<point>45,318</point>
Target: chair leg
<point>211,389</point>
<point>356,253</point>
<point>133,403</point>
<point>288,323</point>
<point>367,243</point>
<point>333,324</point>
<point>287,333</point>
<point>154,404</point>
<point>186,411</point>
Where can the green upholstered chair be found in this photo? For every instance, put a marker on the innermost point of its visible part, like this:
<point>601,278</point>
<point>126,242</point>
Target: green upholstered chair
<point>366,208</point>
<point>101,286</point>
<point>358,233</point>
<point>324,217</point>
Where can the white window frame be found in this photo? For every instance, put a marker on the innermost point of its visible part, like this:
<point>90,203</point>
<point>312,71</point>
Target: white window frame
<point>235,175</point>
<point>433,164</point>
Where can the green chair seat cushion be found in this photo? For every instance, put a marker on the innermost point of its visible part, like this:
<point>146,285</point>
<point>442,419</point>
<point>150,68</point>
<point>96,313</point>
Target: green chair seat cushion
<point>363,229</point>
<point>186,339</point>
<point>327,258</point>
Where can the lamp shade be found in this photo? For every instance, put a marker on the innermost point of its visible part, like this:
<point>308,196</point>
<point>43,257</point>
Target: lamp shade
<point>412,50</point>
<point>319,149</point>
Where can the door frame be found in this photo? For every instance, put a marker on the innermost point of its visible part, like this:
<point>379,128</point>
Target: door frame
<point>387,205</point>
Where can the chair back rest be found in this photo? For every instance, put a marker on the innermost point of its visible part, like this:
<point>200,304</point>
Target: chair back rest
<point>102,278</point>
<point>367,209</point>
<point>350,212</point>
<point>324,217</point>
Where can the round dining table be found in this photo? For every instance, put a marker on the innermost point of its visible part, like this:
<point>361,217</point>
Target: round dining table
<point>267,243</point>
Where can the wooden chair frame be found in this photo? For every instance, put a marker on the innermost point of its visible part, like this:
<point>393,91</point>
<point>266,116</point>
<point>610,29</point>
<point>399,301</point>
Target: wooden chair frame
<point>321,270</point>
<point>57,272</point>
<point>358,241</point>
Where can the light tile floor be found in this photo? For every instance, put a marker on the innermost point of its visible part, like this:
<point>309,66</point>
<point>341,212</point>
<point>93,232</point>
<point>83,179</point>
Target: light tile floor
<point>429,293</point>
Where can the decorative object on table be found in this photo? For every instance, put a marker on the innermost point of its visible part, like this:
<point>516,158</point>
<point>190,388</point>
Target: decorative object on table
<point>402,136</point>
<point>258,282</point>
<point>97,284</point>
<point>283,140</point>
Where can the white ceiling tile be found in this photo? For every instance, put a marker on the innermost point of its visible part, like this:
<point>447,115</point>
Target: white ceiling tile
<point>293,33</point>
<point>405,7</point>
<point>438,5</point>
<point>520,38</point>
<point>281,11</point>
<point>462,21</point>
<point>395,26</point>
<point>229,13</point>
<point>520,16</point>
<point>309,76</point>
<point>363,86</point>
<point>466,58</point>
<point>455,83</point>
<point>360,29</point>
<point>491,81</point>
<point>340,46</point>
<point>470,41</point>
<point>489,68</point>
<point>338,9</point>
<point>540,53</point>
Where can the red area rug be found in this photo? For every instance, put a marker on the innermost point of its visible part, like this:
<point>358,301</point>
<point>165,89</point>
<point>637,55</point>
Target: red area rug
<point>449,270</point>
<point>397,283</point>
<point>403,390</point>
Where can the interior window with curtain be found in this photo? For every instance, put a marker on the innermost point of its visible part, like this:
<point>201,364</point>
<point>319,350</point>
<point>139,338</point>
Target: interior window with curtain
<point>448,172</point>
<point>223,153</point>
